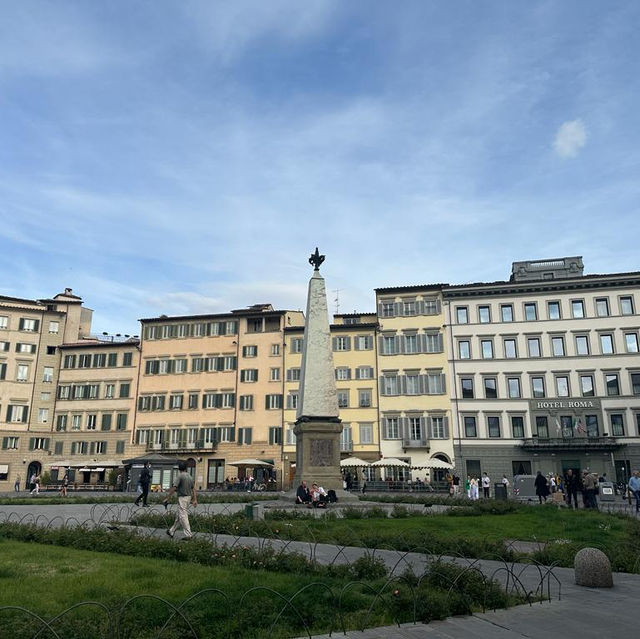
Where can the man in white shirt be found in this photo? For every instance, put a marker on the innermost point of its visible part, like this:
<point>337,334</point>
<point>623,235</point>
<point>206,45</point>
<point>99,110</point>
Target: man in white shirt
<point>486,486</point>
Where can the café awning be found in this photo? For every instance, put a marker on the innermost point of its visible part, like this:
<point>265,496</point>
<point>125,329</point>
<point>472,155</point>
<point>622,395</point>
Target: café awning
<point>250,462</point>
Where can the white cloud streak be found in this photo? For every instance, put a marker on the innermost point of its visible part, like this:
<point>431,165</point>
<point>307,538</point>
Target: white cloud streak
<point>570,138</point>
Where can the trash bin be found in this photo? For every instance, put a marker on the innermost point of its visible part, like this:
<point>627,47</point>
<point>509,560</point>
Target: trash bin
<point>500,491</point>
<point>606,491</point>
<point>248,512</point>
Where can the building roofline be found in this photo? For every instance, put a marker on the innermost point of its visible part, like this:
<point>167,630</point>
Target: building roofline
<point>415,288</point>
<point>99,344</point>
<point>353,314</point>
<point>228,315</point>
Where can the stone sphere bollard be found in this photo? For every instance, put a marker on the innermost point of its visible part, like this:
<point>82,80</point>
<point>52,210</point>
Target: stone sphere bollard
<point>593,569</point>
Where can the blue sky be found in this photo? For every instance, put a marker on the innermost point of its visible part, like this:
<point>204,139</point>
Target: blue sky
<point>187,157</point>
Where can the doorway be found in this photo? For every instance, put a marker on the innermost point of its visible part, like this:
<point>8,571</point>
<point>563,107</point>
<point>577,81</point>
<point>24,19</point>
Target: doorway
<point>34,468</point>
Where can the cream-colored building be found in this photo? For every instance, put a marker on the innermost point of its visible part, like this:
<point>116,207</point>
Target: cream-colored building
<point>414,405</point>
<point>546,371</point>
<point>353,339</point>
<point>30,333</point>
<point>95,409</point>
<point>211,390</point>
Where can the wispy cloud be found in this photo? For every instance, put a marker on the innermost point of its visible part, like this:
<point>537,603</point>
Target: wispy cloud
<point>570,138</point>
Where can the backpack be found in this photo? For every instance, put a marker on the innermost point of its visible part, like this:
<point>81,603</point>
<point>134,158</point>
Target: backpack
<point>331,494</point>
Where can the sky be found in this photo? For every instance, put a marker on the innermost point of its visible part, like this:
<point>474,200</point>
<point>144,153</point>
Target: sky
<point>184,157</point>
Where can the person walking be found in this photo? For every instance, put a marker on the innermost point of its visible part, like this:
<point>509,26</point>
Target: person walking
<point>486,486</point>
<point>634,488</point>
<point>145,482</point>
<point>186,490</point>
<point>467,486</point>
<point>474,488</point>
<point>505,483</point>
<point>16,484</point>
<point>571,483</point>
<point>36,485</point>
<point>542,488</point>
<point>65,484</point>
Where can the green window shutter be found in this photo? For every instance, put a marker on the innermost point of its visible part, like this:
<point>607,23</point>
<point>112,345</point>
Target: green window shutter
<point>31,443</point>
<point>92,448</point>
<point>445,422</point>
<point>248,437</point>
<point>74,446</point>
<point>9,413</point>
<point>5,442</point>
<point>37,325</point>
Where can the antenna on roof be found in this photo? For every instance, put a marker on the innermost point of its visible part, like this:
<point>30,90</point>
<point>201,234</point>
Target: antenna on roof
<point>337,299</point>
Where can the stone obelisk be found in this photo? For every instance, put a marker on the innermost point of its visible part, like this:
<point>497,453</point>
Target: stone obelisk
<point>318,425</point>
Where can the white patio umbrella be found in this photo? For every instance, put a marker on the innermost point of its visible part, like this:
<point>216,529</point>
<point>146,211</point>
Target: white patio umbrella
<point>436,464</point>
<point>353,462</point>
<point>390,462</point>
<point>250,462</point>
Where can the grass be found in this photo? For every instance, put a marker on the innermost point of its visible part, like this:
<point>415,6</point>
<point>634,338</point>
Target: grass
<point>49,579</point>
<point>45,499</point>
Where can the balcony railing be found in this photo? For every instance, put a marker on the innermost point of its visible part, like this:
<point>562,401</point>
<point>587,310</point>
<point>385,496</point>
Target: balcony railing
<point>604,443</point>
<point>415,443</point>
<point>182,447</point>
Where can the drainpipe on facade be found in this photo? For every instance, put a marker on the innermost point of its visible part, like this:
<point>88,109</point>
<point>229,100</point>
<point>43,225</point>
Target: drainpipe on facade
<point>454,385</point>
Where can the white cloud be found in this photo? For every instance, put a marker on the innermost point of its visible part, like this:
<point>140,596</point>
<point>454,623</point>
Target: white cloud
<point>570,138</point>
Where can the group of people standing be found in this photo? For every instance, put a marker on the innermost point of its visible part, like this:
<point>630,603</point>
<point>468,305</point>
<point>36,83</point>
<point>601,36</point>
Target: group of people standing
<point>570,485</point>
<point>473,484</point>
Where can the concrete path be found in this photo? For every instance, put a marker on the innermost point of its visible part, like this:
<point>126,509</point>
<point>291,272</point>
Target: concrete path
<point>574,610</point>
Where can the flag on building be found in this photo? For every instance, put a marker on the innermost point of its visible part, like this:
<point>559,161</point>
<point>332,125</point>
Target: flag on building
<point>558,427</point>
<point>580,427</point>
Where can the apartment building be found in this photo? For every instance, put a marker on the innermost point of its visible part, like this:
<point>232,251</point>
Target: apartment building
<point>414,404</point>
<point>545,371</point>
<point>211,389</point>
<point>95,409</point>
<point>354,355</point>
<point>30,333</point>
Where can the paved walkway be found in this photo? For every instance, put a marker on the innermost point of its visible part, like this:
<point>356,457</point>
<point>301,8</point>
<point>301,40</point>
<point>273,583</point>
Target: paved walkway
<point>573,611</point>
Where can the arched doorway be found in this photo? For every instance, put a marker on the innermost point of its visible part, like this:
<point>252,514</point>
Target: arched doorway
<point>440,474</point>
<point>34,468</point>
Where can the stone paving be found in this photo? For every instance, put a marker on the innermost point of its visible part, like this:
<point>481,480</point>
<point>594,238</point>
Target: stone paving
<point>574,610</point>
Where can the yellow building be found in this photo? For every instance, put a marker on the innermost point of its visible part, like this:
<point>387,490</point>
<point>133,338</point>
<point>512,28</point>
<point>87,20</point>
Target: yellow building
<point>354,354</point>
<point>30,333</point>
<point>415,408</point>
<point>211,389</point>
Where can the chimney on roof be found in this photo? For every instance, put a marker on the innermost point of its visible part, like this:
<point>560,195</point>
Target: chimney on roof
<point>68,291</point>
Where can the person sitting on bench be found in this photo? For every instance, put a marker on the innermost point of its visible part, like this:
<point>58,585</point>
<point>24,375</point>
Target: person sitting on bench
<point>319,497</point>
<point>302,494</point>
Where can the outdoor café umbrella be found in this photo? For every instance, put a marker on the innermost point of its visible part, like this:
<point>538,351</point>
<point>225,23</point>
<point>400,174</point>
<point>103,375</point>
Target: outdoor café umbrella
<point>250,462</point>
<point>390,462</point>
<point>436,463</point>
<point>353,462</point>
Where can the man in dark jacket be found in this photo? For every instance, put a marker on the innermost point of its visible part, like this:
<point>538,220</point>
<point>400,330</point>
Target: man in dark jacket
<point>571,485</point>
<point>145,482</point>
<point>542,489</point>
<point>302,494</point>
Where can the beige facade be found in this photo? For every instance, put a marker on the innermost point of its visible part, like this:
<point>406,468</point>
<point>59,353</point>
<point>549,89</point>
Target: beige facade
<point>546,370</point>
<point>415,410</point>
<point>30,333</point>
<point>354,354</point>
<point>211,389</point>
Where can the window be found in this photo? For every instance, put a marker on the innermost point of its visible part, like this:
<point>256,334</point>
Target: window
<point>76,422</point>
<point>363,342</point>
<point>415,428</point>
<point>364,398</point>
<point>127,359</point>
<point>439,429</point>
<point>510,351</point>
<point>412,384</point>
<point>10,443</point>
<point>125,389</point>
<point>43,415</point>
<point>293,374</point>
<point>617,424</point>
<point>562,386</point>
<point>366,433</point>
<point>38,443</point>
<point>275,349</point>
<point>388,309</point>
<point>631,342</point>
<point>487,348</point>
<point>484,314</point>
<point>577,308</point>
<point>409,308</point>
<point>582,344</point>
<point>626,305</point>
<point>542,427</point>
<point>586,385</point>
<point>22,373</point>
<point>433,343</point>
<point>4,322</point>
<point>343,399</point>
<point>635,383</point>
<point>121,421</point>
<point>25,348</point>
<point>530,311</point>
<point>69,361</point>
<point>612,384</point>
<point>244,436</point>
<point>506,312</point>
<point>364,372</point>
<point>249,351</point>
<point>296,344</point>
<point>120,447</point>
<point>275,435</point>
<point>112,360</point>
<point>537,386</point>
<point>47,375</point>
<point>462,315</point>
<point>470,429</point>
<point>467,387</point>
<point>99,360</point>
<point>533,343</point>
<point>390,385</point>
<point>553,310</point>
<point>17,414</point>
<point>342,343</point>
<point>391,428</point>
<point>602,307</point>
<point>490,388</point>
<point>106,421</point>
<point>493,426</point>
<point>30,325</point>
<point>249,375</point>
<point>517,426</point>
<point>557,346</point>
<point>246,402</point>
<point>254,325</point>
<point>606,343</point>
<point>464,349</point>
<point>292,401</point>
<point>3,370</point>
<point>176,401</point>
<point>92,419</point>
<point>410,344</point>
<point>274,375</point>
<point>273,402</point>
<point>435,383</point>
<point>343,373</point>
<point>389,345</point>
<point>513,386</point>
